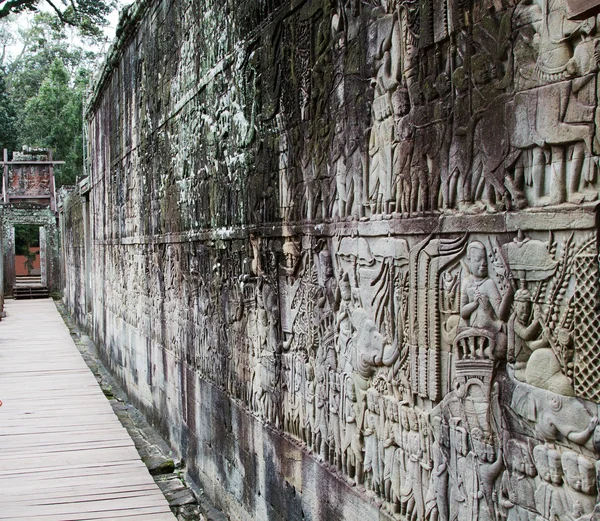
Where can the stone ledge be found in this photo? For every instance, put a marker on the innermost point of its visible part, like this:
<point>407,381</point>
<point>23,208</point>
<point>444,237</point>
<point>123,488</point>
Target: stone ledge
<point>560,218</point>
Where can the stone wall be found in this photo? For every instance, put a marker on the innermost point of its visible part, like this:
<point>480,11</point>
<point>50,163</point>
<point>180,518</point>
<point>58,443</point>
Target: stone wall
<point>345,254</point>
<point>71,222</point>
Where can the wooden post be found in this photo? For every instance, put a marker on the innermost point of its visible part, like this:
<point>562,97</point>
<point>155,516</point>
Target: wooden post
<point>5,177</point>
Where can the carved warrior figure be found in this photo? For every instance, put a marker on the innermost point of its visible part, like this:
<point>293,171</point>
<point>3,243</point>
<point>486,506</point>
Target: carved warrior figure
<point>517,490</point>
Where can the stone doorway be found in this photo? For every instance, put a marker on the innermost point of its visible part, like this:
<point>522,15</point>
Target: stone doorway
<point>30,261</point>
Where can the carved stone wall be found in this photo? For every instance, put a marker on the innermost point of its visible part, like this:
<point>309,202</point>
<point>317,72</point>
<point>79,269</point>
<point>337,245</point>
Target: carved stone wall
<point>345,253</point>
<point>71,226</point>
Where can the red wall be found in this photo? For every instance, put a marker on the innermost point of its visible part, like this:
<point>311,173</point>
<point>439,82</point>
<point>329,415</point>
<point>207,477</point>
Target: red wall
<point>20,263</point>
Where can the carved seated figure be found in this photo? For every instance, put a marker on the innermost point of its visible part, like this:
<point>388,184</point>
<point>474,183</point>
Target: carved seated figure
<point>483,309</point>
<point>524,333</point>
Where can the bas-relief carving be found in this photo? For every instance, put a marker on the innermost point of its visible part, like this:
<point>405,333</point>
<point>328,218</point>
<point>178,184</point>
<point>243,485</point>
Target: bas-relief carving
<point>450,376</point>
<point>473,117</point>
<point>404,364</point>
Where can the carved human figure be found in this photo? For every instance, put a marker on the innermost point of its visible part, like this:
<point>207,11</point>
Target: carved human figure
<point>370,434</point>
<point>413,500</point>
<point>344,325</point>
<point>356,171</point>
<point>403,149</point>
<point>487,467</point>
<point>440,174</point>
<point>490,184</point>
<point>335,445</point>
<point>555,33</point>
<point>437,508</point>
<point>524,332</point>
<point>482,306</point>
<point>321,433</point>
<point>389,445</point>
<point>580,483</point>
<point>381,137</point>
<point>420,115</point>
<point>327,299</point>
<point>298,408</point>
<point>460,487</point>
<point>399,467</point>
<point>380,153</point>
<point>352,447</point>
<point>338,166</point>
<point>517,489</point>
<point>460,194</point>
<point>309,426</point>
<point>550,500</point>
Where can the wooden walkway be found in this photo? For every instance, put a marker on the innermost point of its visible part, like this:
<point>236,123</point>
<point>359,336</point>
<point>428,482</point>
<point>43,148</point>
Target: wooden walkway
<point>64,455</point>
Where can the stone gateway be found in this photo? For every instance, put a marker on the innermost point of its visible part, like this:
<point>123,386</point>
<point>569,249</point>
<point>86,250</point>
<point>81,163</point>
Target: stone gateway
<point>344,253</point>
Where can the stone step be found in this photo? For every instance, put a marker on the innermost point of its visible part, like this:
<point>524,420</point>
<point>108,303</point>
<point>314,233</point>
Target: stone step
<point>30,291</point>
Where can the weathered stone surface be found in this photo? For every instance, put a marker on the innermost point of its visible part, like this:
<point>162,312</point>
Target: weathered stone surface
<point>344,254</point>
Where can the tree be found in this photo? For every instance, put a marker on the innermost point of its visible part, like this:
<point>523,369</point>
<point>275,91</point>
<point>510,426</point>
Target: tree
<point>43,42</point>
<point>53,119</point>
<point>8,117</point>
<point>89,16</point>
<point>46,85</point>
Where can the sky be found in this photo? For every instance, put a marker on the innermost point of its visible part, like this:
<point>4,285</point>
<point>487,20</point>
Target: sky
<point>22,21</point>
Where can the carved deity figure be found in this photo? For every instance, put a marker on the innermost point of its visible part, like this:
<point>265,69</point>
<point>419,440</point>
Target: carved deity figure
<point>482,306</point>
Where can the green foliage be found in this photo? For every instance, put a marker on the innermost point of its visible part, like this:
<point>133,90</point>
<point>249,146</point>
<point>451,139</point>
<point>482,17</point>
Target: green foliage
<point>45,87</point>
<point>53,119</point>
<point>89,16</point>
<point>8,117</point>
<point>26,236</point>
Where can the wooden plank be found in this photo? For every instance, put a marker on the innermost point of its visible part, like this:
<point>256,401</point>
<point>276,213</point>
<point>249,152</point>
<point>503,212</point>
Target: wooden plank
<point>63,453</point>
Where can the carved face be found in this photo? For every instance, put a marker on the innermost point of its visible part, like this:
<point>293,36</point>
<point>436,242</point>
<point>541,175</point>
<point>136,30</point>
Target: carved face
<point>413,421</point>
<point>555,469</point>
<point>478,262</point>
<point>571,473</point>
<point>587,473</point>
<point>350,392</point>
<point>460,79</point>
<point>484,70</point>
<point>523,310</point>
<point>404,417</point>
<point>518,464</point>
<point>401,102</point>
<point>490,452</point>
<point>345,291</point>
<point>442,84</point>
